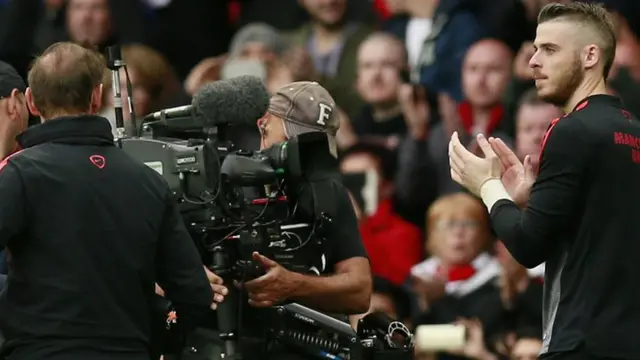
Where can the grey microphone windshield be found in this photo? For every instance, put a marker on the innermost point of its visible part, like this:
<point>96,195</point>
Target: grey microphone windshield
<point>241,100</point>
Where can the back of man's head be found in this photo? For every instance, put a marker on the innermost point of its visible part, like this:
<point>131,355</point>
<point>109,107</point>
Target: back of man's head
<point>66,80</point>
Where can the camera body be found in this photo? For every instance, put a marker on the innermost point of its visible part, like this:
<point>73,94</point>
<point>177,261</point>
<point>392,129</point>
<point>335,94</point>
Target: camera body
<point>235,202</point>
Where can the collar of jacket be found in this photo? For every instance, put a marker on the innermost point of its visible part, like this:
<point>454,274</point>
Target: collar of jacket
<point>79,130</point>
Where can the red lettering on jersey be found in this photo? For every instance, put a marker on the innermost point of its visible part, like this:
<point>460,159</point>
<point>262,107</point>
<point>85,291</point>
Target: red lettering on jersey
<point>632,141</point>
<point>635,156</point>
<point>98,160</point>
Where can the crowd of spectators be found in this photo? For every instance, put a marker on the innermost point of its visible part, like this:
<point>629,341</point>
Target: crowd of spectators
<point>406,75</point>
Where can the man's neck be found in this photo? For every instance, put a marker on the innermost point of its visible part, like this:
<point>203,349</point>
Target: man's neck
<point>422,9</point>
<point>326,37</point>
<point>588,88</point>
<point>386,111</point>
<point>481,117</point>
<point>8,149</point>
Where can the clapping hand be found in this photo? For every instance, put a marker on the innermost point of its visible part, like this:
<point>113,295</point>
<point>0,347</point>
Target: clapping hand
<point>470,170</point>
<point>415,107</point>
<point>272,288</point>
<point>474,347</point>
<point>517,177</point>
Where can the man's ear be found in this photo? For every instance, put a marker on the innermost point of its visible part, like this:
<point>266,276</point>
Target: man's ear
<point>31,104</point>
<point>96,99</point>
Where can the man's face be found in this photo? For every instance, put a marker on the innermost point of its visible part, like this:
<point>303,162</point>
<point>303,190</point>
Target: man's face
<point>258,51</point>
<point>272,130</point>
<point>329,13</point>
<point>531,124</point>
<point>526,349</point>
<point>485,73</point>
<point>88,21</point>
<point>556,64</point>
<point>379,64</point>
<point>458,238</point>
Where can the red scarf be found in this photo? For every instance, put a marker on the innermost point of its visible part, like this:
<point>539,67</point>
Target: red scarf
<point>381,8</point>
<point>457,272</point>
<point>465,111</point>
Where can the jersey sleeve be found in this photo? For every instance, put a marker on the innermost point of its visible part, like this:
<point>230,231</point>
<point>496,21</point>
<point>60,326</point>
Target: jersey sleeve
<point>555,196</point>
<point>13,207</point>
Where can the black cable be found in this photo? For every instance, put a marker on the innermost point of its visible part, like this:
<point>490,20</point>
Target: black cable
<point>132,112</point>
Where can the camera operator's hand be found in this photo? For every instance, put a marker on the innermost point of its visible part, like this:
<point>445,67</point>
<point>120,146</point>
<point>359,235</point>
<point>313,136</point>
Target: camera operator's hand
<point>219,291</point>
<point>274,287</point>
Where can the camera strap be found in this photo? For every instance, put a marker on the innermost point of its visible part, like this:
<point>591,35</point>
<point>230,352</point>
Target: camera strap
<point>324,206</point>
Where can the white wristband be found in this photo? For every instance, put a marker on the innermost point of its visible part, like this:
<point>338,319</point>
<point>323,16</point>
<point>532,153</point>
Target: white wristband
<point>493,191</point>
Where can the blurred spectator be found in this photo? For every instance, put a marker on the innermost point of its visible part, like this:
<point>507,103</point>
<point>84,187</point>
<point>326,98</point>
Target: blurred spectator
<point>91,22</point>
<point>532,120</point>
<point>485,75</point>
<point>155,85</point>
<point>30,24</point>
<point>258,50</point>
<point>520,291</point>
<point>625,73</point>
<point>455,28</point>
<point>332,41</point>
<point>527,345</point>
<point>261,42</point>
<point>394,245</point>
<point>413,25</point>
<point>459,279</point>
<point>475,347</point>
<point>258,41</point>
<point>381,59</point>
<point>387,298</point>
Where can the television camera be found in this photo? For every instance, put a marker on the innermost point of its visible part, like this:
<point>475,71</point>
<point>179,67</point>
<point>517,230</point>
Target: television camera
<point>235,202</point>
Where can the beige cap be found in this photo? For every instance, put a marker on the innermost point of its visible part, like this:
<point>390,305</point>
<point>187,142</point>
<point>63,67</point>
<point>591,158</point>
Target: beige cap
<point>306,106</point>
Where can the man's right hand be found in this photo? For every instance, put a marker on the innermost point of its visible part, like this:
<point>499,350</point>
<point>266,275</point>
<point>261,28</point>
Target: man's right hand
<point>219,291</point>
<point>416,110</point>
<point>516,177</point>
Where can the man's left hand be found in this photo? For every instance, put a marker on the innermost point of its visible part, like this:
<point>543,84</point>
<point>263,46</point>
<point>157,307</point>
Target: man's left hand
<point>274,287</point>
<point>470,170</point>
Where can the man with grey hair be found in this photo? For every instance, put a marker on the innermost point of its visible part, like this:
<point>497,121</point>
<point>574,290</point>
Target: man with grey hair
<point>257,39</point>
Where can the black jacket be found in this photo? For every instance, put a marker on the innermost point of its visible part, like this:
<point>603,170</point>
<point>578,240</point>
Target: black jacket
<point>582,221</point>
<point>89,231</point>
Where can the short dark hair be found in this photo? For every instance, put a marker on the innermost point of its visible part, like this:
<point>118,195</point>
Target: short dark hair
<point>63,78</point>
<point>594,15</point>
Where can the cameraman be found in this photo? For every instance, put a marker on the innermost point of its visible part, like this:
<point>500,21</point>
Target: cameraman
<point>89,229</point>
<point>345,286</point>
